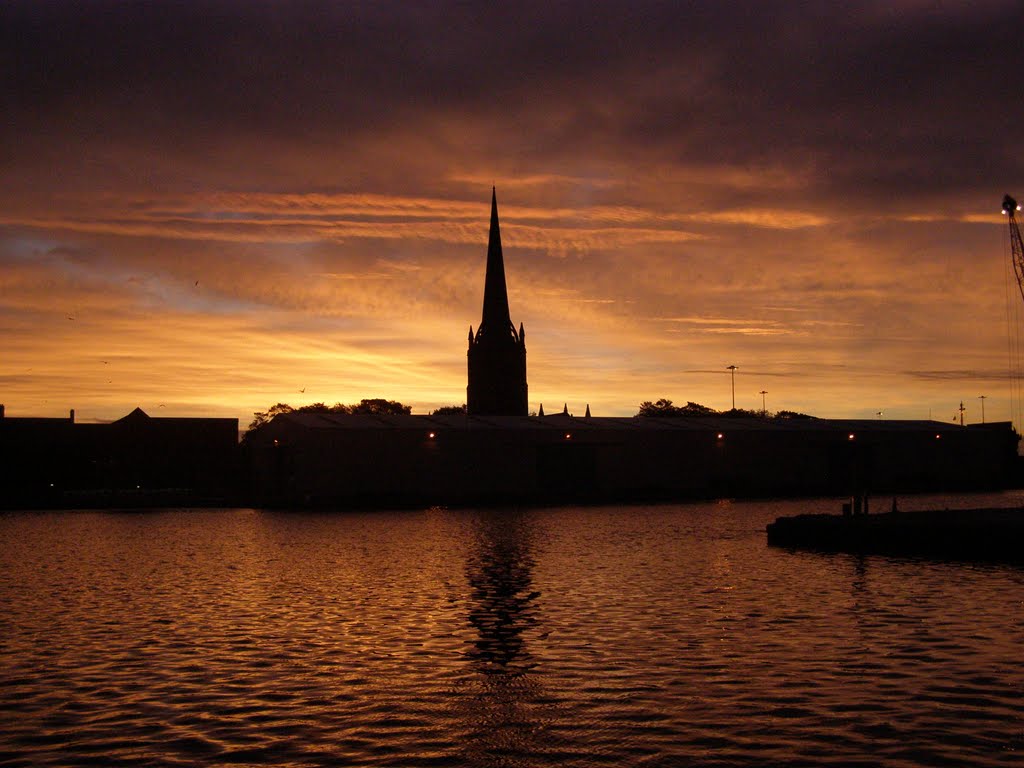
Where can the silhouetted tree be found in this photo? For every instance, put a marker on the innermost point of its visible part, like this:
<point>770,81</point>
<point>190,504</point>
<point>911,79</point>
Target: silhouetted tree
<point>661,407</point>
<point>376,406</point>
<point>696,409</point>
<point>264,417</point>
<point>791,415</point>
<point>741,413</point>
<point>664,407</point>
<point>449,410</point>
<point>381,407</point>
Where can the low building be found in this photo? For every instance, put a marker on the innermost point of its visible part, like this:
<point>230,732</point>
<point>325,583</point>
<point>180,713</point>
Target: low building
<point>138,459</point>
<point>312,459</point>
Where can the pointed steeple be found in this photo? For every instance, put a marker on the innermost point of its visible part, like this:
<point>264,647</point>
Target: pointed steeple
<point>587,416</point>
<point>541,411</point>
<point>496,318</point>
<point>496,358</point>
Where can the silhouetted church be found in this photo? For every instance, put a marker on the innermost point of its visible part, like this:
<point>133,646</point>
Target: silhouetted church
<point>497,353</point>
<point>497,452</point>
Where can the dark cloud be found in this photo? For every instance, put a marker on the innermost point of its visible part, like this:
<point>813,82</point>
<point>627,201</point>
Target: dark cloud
<point>905,99</point>
<point>964,375</point>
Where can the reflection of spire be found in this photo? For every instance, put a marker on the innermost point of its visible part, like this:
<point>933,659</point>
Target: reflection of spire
<point>500,581</point>
<point>496,317</point>
<point>503,704</point>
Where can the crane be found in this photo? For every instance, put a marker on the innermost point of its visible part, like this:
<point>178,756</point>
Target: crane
<point>1010,207</point>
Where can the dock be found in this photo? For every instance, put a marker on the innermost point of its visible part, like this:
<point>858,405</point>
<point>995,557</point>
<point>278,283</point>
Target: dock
<point>960,534</point>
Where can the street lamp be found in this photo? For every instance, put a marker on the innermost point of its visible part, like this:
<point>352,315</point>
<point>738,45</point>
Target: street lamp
<point>982,398</point>
<point>732,370</point>
<point>764,408</point>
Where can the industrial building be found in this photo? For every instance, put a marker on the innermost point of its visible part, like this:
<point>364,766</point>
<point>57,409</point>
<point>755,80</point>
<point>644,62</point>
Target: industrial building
<point>326,459</point>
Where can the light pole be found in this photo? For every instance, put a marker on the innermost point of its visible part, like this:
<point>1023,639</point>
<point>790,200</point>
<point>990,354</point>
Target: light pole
<point>764,408</point>
<point>732,370</point>
<point>982,398</point>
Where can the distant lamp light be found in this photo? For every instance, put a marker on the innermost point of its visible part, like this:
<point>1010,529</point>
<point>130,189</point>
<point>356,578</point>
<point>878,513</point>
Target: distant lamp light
<point>568,436</point>
<point>276,441</point>
<point>851,436</point>
<point>431,436</point>
<point>720,435</point>
<point>938,437</point>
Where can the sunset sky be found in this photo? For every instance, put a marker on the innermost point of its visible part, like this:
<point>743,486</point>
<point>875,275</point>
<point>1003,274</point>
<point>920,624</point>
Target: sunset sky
<point>208,208</point>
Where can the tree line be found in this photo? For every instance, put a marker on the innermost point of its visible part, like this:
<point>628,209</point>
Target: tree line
<point>378,406</point>
<point>665,407</point>
<point>374,406</point>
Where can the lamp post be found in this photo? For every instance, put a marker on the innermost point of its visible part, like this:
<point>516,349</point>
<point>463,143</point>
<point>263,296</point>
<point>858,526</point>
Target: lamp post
<point>982,398</point>
<point>764,408</point>
<point>732,370</point>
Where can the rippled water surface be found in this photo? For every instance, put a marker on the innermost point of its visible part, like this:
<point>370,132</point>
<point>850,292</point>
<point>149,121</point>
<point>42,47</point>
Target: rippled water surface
<point>635,636</point>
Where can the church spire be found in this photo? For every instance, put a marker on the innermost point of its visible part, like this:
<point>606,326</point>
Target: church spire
<point>496,318</point>
<point>496,356</point>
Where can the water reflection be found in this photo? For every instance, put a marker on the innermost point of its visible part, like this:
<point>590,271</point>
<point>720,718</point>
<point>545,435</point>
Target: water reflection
<point>504,708</point>
<point>501,595</point>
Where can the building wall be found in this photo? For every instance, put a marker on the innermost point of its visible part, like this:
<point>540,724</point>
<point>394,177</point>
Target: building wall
<point>538,462</point>
<point>58,463</point>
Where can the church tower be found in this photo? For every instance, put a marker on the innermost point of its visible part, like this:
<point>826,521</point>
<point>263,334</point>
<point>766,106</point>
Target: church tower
<point>497,352</point>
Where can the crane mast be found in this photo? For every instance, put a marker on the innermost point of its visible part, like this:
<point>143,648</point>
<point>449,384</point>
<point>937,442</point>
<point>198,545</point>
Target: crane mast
<point>1010,207</point>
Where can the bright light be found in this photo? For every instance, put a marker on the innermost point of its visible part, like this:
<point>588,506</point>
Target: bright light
<point>431,436</point>
<point>850,436</point>
<point>720,435</point>
<point>568,436</point>
<point>938,437</point>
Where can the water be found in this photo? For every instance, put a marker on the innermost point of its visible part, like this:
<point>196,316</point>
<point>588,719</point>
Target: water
<point>622,636</point>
